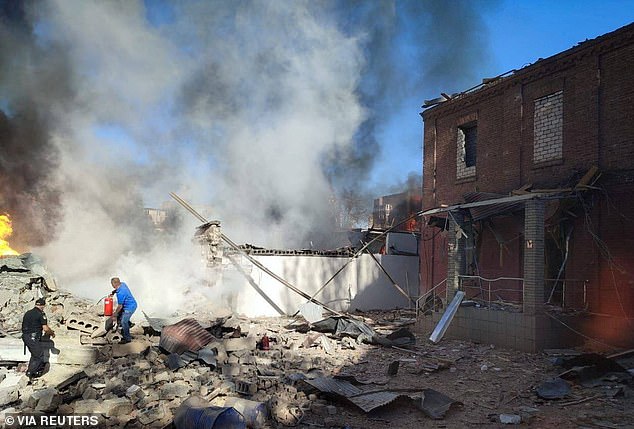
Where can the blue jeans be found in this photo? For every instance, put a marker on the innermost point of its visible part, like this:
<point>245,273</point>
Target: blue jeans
<point>125,324</point>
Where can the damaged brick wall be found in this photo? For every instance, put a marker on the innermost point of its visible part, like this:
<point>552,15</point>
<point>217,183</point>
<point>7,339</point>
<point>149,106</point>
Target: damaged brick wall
<point>596,88</point>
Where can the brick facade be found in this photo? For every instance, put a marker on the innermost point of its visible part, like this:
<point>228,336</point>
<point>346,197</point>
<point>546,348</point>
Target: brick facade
<point>545,126</point>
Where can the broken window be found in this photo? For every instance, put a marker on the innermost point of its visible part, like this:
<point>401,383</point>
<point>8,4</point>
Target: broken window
<point>548,128</point>
<point>467,147</point>
<point>470,140</point>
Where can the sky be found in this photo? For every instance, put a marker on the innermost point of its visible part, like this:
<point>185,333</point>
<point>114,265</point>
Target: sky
<point>513,34</point>
<point>272,115</point>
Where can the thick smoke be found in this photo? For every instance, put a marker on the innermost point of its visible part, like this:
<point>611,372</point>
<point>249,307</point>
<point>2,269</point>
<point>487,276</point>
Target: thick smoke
<point>262,112</point>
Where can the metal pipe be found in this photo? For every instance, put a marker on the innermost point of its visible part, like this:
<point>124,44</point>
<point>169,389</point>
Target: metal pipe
<point>250,258</point>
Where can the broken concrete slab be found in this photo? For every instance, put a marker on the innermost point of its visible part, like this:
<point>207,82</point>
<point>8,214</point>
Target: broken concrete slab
<point>116,407</point>
<point>45,400</point>
<point>136,346</point>
<point>237,344</point>
<point>177,389</point>
<point>62,376</point>
<point>88,406</point>
<point>8,395</point>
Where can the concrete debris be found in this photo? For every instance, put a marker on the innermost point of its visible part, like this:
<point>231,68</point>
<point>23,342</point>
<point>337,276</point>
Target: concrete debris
<point>45,400</point>
<point>8,395</point>
<point>295,381</point>
<point>510,419</point>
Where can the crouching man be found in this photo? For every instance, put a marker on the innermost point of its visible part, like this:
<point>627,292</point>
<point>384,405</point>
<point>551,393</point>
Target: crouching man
<point>33,323</point>
<point>126,305</point>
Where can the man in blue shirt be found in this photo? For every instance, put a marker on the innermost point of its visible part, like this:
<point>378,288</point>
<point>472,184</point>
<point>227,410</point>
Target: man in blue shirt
<point>126,305</point>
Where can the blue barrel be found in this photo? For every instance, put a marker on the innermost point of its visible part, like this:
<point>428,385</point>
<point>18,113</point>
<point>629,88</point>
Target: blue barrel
<point>210,417</point>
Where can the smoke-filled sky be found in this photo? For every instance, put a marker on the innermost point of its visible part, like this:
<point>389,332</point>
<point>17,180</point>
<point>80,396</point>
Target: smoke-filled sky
<point>263,111</point>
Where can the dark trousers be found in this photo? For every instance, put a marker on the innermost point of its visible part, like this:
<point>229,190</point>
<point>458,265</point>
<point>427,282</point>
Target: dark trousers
<point>32,342</point>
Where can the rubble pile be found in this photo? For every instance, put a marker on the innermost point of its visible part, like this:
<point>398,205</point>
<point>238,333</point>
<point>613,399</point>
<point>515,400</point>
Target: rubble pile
<point>23,279</point>
<point>361,371</point>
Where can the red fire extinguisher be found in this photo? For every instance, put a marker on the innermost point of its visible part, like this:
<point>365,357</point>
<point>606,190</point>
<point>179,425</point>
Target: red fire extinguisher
<point>107,306</point>
<point>264,344</point>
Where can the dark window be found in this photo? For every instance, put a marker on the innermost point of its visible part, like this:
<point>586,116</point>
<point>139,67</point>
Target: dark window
<point>470,140</point>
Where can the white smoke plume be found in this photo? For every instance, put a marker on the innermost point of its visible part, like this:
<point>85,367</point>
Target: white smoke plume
<point>258,110</point>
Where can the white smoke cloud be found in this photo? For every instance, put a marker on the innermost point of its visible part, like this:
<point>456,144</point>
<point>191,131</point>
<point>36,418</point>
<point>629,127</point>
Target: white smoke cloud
<point>260,110</point>
<point>233,105</point>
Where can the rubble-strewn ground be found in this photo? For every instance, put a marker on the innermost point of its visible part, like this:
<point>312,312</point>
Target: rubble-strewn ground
<point>141,385</point>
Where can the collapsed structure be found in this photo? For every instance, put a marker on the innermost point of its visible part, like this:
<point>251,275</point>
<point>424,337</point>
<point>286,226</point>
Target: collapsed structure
<point>527,183</point>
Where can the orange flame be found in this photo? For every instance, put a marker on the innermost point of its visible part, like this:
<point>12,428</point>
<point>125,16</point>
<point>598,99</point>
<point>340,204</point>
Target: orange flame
<point>5,232</point>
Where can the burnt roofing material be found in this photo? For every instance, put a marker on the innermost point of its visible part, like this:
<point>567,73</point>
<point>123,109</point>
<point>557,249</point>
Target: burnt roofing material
<point>184,335</point>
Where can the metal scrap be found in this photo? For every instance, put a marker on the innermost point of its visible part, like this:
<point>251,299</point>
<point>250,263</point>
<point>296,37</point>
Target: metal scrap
<point>366,399</point>
<point>436,404</point>
<point>185,335</point>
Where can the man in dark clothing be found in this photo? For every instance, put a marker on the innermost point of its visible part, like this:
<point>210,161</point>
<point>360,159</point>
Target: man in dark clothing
<point>33,323</point>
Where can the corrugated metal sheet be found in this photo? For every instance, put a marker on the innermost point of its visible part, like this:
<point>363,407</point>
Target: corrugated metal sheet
<point>493,209</point>
<point>338,387</point>
<point>367,399</point>
<point>184,335</point>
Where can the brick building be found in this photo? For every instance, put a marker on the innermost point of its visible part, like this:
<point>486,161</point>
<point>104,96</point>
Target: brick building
<point>390,210</point>
<point>531,176</point>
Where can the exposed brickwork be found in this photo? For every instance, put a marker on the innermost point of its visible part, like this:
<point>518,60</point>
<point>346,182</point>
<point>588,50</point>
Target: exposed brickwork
<point>548,128</point>
<point>462,171</point>
<point>455,255</point>
<point>534,256</point>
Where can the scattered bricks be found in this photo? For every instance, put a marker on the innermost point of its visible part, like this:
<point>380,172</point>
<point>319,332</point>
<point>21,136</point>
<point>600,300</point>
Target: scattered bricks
<point>151,414</point>
<point>143,365</point>
<point>131,376</point>
<point>243,343</point>
<point>147,378</point>
<point>148,400</point>
<point>152,356</point>
<point>307,364</point>
<point>65,410</point>
<point>8,395</point>
<point>113,385</point>
<point>90,393</point>
<point>246,388</point>
<point>45,400</point>
<point>135,393</point>
<point>331,409</point>
<point>204,390</point>
<point>131,348</point>
<point>87,406</point>
<point>231,370</point>
<point>233,359</point>
<point>190,374</point>
<point>348,343</point>
<point>116,407</point>
<point>263,361</point>
<point>178,389</point>
<point>221,352</point>
<point>162,376</point>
